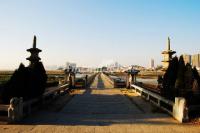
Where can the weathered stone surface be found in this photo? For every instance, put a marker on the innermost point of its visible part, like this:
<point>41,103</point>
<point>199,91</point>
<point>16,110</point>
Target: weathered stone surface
<point>180,111</point>
<point>101,111</point>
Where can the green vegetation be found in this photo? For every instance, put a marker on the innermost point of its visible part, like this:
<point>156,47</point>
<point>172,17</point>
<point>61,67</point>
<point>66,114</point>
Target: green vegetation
<point>4,78</point>
<point>181,80</point>
<point>26,82</point>
<point>52,77</point>
<point>52,83</point>
<point>168,90</point>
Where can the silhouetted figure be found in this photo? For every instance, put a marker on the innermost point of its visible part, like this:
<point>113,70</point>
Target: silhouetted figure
<point>86,80</point>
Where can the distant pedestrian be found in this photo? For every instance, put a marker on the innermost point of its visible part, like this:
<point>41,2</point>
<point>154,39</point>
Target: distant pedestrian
<point>86,80</point>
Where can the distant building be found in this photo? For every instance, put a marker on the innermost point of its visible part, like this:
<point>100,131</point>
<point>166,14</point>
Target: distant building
<point>83,69</point>
<point>167,54</point>
<point>114,67</point>
<point>152,64</point>
<point>51,67</point>
<point>196,60</point>
<point>187,58</point>
<point>70,65</point>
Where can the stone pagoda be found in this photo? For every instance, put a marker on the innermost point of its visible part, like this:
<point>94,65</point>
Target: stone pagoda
<point>167,54</point>
<point>131,77</point>
<point>34,58</point>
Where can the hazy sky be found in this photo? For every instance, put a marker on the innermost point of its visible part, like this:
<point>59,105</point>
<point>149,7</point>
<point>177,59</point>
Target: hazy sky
<point>90,32</point>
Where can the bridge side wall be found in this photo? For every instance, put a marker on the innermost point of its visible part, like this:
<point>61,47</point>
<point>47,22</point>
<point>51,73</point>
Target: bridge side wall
<point>178,109</point>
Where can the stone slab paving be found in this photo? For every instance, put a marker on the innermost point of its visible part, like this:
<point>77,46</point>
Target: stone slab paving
<point>100,102</point>
<point>100,82</point>
<point>100,111</point>
<point>95,82</point>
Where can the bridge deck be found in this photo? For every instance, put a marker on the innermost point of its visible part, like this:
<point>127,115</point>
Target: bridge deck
<point>101,109</point>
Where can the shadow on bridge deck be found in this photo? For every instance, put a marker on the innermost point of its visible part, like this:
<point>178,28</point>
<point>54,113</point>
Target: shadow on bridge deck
<point>100,84</point>
<point>95,107</point>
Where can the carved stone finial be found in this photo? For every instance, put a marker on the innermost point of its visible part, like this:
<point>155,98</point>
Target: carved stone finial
<point>168,44</point>
<point>34,42</point>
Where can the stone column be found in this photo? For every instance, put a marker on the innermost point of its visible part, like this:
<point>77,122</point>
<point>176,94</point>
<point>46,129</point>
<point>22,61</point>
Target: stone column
<point>73,80</point>
<point>70,81</point>
<point>133,78</point>
<point>86,81</point>
<point>128,81</point>
<point>67,76</point>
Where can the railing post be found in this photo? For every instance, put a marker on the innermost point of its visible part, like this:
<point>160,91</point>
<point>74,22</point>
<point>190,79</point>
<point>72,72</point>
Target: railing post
<point>15,110</point>
<point>180,110</point>
<point>147,97</point>
<point>133,78</point>
<point>86,81</point>
<point>72,81</point>
<point>67,78</point>
<point>128,81</point>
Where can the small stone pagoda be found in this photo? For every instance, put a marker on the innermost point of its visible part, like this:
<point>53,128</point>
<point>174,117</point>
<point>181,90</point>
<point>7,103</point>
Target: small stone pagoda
<point>131,77</point>
<point>34,58</point>
<point>167,54</point>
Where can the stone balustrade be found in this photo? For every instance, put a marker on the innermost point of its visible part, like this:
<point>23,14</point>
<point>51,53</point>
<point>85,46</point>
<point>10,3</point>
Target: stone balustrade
<point>177,109</point>
<point>16,108</point>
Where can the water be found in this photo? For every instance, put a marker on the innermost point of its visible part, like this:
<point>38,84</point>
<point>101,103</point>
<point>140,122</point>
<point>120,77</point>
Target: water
<point>78,75</point>
<point>148,81</point>
<point>152,81</point>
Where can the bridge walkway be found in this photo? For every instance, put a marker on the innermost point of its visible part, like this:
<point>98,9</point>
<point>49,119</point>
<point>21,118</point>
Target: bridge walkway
<point>101,109</point>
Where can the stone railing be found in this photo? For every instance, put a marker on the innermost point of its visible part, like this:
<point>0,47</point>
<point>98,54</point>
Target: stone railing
<point>17,109</point>
<point>116,81</point>
<point>84,81</point>
<point>177,109</point>
<point>90,79</point>
<point>108,78</point>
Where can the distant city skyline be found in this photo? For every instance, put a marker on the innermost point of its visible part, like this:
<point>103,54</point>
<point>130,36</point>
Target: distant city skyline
<point>90,33</point>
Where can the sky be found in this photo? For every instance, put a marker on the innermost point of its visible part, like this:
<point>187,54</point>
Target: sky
<point>91,32</point>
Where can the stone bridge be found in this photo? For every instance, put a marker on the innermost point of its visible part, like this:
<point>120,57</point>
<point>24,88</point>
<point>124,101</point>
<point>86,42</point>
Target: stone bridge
<point>100,109</point>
